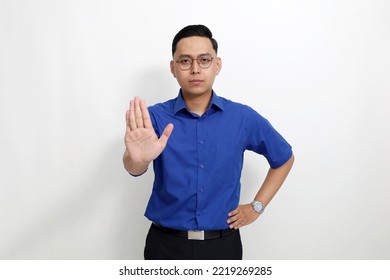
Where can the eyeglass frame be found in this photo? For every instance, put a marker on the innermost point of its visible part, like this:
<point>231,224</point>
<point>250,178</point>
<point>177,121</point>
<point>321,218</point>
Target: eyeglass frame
<point>197,60</point>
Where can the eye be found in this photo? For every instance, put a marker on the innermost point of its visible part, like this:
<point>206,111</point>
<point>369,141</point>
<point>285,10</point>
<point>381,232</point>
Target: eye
<point>185,61</point>
<point>205,60</point>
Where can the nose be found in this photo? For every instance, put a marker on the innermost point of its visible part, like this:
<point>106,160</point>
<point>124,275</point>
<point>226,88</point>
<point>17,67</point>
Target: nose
<point>195,68</point>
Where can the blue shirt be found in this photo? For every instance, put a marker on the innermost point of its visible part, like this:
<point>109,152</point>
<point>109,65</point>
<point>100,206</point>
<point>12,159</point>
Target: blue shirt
<point>197,176</point>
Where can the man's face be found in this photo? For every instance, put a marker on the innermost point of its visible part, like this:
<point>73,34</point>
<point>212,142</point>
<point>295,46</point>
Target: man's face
<point>196,81</point>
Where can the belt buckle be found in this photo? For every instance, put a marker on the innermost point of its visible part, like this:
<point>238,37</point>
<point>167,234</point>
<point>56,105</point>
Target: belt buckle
<point>196,234</point>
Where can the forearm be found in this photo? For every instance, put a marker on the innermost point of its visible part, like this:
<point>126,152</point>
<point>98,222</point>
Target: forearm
<point>134,168</point>
<point>273,181</point>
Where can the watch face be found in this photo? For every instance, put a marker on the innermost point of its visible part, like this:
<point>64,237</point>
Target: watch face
<point>257,206</point>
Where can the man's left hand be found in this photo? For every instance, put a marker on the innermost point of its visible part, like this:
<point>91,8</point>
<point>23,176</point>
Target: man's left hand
<point>243,215</point>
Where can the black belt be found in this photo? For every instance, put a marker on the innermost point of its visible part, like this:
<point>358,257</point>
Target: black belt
<point>196,234</point>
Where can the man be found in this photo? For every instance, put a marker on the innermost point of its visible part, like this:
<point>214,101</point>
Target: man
<point>196,142</point>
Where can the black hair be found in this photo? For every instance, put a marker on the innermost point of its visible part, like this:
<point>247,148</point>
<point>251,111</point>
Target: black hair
<point>194,30</point>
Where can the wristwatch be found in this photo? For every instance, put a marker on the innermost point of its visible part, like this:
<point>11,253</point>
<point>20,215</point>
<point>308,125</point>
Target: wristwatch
<point>257,206</point>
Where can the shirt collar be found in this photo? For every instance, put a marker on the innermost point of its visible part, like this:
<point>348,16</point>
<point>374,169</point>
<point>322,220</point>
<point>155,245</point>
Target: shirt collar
<point>180,104</point>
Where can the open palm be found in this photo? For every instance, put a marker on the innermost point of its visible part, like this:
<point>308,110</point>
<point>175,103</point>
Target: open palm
<point>141,141</point>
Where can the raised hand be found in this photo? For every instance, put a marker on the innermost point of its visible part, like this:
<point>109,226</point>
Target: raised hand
<point>142,143</point>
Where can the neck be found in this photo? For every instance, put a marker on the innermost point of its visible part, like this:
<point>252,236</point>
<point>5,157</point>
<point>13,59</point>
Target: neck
<point>197,104</point>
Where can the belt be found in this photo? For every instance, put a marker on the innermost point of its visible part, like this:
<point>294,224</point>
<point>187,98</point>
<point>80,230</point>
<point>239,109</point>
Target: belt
<point>195,234</point>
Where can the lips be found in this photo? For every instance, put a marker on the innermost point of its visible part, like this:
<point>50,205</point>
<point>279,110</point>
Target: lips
<point>196,82</point>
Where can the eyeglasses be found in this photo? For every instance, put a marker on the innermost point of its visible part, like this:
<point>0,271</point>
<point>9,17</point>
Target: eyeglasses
<point>204,61</point>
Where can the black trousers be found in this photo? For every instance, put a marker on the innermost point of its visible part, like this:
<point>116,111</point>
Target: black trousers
<point>161,245</point>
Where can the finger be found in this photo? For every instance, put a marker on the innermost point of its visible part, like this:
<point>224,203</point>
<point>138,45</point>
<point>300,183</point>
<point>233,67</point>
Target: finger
<point>165,136</point>
<point>235,225</point>
<point>232,213</point>
<point>243,221</point>
<point>233,218</point>
<point>137,112</point>
<point>127,121</point>
<point>230,221</point>
<point>132,123</point>
<point>145,115</point>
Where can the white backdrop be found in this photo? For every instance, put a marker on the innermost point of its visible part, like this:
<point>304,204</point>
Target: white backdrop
<point>318,70</point>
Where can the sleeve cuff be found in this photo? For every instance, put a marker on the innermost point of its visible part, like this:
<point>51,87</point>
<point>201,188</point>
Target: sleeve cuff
<point>139,174</point>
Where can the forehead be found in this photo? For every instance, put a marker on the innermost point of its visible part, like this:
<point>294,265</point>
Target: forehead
<point>194,46</point>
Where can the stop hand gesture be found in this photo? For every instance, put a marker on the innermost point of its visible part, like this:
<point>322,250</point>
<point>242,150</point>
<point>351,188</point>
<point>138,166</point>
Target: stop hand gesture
<point>142,143</point>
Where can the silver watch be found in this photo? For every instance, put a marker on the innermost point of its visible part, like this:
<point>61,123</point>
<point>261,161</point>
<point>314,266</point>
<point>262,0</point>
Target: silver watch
<point>257,206</point>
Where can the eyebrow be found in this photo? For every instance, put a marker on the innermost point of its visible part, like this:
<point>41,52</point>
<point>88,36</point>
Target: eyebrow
<point>187,55</point>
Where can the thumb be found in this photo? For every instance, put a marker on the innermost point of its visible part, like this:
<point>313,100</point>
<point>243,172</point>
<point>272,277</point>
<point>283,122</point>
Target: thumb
<point>165,135</point>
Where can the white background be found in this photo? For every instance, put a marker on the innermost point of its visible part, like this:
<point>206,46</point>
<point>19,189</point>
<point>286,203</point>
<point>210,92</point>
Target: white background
<point>318,70</point>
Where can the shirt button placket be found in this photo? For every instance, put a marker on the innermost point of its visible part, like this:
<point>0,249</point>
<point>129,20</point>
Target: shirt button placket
<point>201,165</point>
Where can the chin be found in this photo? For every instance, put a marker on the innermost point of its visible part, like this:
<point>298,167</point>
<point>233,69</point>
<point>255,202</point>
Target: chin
<point>196,91</point>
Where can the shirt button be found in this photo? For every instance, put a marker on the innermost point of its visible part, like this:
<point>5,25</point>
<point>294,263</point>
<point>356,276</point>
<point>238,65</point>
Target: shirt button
<point>202,166</point>
<point>201,190</point>
<point>201,142</point>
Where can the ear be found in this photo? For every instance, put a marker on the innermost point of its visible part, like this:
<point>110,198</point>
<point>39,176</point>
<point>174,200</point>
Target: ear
<point>172,65</point>
<point>219,65</point>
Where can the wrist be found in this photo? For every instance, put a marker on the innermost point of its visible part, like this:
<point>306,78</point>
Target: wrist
<point>133,167</point>
<point>257,206</point>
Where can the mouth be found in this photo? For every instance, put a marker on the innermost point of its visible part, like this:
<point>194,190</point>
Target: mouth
<point>196,82</point>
